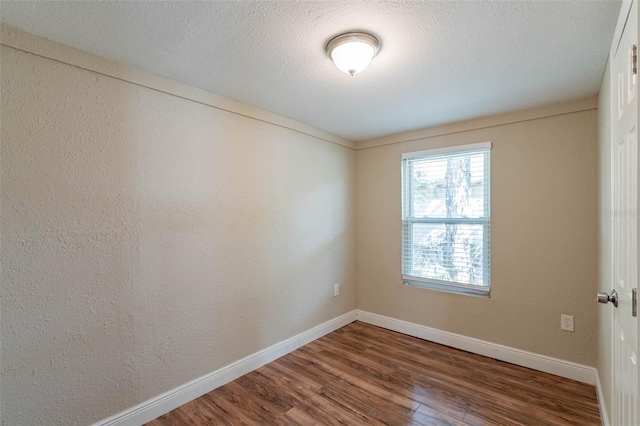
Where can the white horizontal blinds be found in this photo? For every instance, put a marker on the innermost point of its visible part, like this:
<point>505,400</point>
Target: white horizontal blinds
<point>446,217</point>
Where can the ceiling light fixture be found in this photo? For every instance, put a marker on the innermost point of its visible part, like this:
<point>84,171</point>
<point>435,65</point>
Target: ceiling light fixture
<point>352,52</point>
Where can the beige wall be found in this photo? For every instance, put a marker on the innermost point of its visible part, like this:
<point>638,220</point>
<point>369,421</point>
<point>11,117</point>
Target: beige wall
<point>604,282</point>
<point>148,239</point>
<point>543,236</point>
<point>152,232</point>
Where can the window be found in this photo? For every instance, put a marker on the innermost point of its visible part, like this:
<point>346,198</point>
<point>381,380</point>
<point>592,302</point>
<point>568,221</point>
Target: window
<point>446,219</point>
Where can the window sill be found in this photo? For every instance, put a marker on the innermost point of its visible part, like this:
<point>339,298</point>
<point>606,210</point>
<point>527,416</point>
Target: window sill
<point>477,291</point>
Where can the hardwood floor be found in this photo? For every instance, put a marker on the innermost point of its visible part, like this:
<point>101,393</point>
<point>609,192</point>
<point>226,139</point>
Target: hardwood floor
<point>362,374</point>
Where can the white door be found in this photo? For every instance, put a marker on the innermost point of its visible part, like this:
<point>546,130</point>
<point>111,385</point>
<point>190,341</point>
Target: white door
<point>626,403</point>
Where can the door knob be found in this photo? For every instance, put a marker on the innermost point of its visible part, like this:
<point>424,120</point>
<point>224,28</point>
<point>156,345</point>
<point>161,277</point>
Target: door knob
<point>606,298</point>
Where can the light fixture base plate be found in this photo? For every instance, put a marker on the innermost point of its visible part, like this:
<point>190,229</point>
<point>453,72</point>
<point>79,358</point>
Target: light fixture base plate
<point>351,37</point>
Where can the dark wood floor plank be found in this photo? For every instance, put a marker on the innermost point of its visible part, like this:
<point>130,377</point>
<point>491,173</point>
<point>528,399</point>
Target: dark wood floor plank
<point>241,404</point>
<point>393,340</point>
<point>265,392</point>
<point>367,403</point>
<point>305,369</point>
<point>355,356</point>
<point>383,387</point>
<point>200,414</point>
<point>433,394</point>
<point>297,416</point>
<point>215,409</point>
<point>288,381</point>
<point>341,367</point>
<point>349,339</point>
<point>327,412</point>
<point>366,375</point>
<point>428,416</point>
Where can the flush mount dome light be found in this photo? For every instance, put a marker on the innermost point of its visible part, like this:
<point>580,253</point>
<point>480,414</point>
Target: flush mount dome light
<point>352,52</point>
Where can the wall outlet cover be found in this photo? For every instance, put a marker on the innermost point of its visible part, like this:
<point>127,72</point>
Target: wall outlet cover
<point>566,322</point>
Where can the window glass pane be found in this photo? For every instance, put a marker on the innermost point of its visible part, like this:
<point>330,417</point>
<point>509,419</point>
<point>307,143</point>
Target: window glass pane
<point>446,219</point>
<point>449,186</point>
<point>448,252</point>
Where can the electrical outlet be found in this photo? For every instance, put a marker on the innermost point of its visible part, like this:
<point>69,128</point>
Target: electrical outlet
<point>336,289</point>
<point>566,322</point>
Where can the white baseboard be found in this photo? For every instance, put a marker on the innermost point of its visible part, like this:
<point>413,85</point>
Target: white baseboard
<point>174,398</point>
<point>531,360</point>
<point>604,416</point>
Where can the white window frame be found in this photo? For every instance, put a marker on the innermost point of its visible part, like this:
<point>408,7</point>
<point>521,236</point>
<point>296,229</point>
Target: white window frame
<point>408,221</point>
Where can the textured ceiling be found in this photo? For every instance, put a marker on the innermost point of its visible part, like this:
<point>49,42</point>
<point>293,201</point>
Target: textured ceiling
<point>440,61</point>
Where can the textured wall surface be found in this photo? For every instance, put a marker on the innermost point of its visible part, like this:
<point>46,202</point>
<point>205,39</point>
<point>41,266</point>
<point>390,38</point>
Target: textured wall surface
<point>543,238</point>
<point>148,240</point>
<point>605,312</point>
